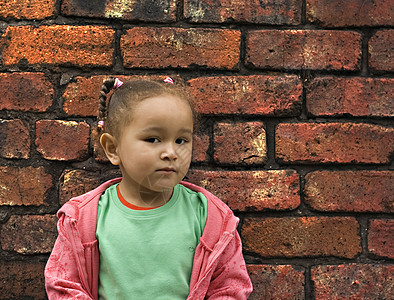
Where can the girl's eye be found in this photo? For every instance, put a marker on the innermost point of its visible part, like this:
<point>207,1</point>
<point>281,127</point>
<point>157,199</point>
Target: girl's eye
<point>180,141</point>
<point>152,140</point>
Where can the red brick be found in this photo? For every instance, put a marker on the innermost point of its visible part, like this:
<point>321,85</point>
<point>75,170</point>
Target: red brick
<point>200,147</point>
<point>29,234</point>
<point>14,139</point>
<point>240,143</point>
<point>62,140</point>
<point>353,281</point>
<point>252,95</point>
<point>358,96</point>
<point>22,279</point>
<point>334,143</point>
<point>24,186</point>
<point>258,12</point>
<point>350,13</point>
<point>163,47</point>
<point>303,49</point>
<point>302,237</point>
<point>381,49</point>
<point>25,92</point>
<point>59,44</point>
<point>81,95</point>
<point>276,282</point>
<point>356,191</point>
<point>142,10</point>
<point>251,190</point>
<point>31,10</point>
<point>77,182</point>
<point>381,237</point>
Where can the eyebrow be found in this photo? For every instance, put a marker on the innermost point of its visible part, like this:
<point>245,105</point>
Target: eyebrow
<point>160,129</point>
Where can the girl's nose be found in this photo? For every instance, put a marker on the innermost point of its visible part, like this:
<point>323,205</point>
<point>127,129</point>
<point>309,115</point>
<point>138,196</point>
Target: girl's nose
<point>169,153</point>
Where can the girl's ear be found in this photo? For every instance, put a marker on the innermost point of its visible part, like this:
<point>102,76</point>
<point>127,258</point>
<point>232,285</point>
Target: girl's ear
<point>110,145</point>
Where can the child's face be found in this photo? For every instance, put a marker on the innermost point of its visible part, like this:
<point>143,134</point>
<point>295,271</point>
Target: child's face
<point>155,149</point>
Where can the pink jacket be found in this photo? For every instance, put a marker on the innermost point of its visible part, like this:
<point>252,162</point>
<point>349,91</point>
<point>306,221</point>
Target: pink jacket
<point>219,270</point>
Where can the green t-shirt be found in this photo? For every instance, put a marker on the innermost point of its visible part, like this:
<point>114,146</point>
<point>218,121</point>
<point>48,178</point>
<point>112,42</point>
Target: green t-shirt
<point>148,254</point>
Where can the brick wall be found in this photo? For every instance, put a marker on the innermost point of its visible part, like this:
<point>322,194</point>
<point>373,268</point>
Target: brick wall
<point>296,103</point>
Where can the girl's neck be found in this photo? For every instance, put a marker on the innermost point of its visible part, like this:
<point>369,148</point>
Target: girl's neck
<point>144,198</point>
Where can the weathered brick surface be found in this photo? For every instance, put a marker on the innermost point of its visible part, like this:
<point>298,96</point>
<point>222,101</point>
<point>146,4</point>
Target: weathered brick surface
<point>381,237</point>
<point>357,96</point>
<point>353,281</point>
<point>59,44</point>
<point>14,139</point>
<point>253,95</point>
<point>356,191</point>
<point>381,49</point>
<point>251,190</point>
<point>25,92</point>
<point>29,234</point>
<point>258,12</point>
<point>77,182</point>
<point>200,147</point>
<point>62,140</point>
<point>149,47</point>
<point>303,49</point>
<point>334,143</point>
<point>242,143</point>
<point>24,186</point>
<point>22,279</point>
<point>276,282</point>
<point>142,10</point>
<point>350,13</point>
<point>81,95</point>
<point>302,237</point>
<point>31,10</point>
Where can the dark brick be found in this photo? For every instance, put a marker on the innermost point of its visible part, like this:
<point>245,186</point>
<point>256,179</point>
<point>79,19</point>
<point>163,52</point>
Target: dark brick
<point>381,237</point>
<point>356,191</point>
<point>200,147</point>
<point>357,96</point>
<point>25,92</point>
<point>251,190</point>
<point>22,279</point>
<point>262,12</point>
<point>24,186</point>
<point>276,282</point>
<point>303,49</point>
<point>350,13</point>
<point>31,10</point>
<point>302,237</point>
<point>77,182</point>
<point>59,44</point>
<point>334,143</point>
<point>163,47</point>
<point>380,51</point>
<point>142,10</point>
<point>81,96</point>
<point>14,139</point>
<point>353,281</point>
<point>240,143</point>
<point>62,140</point>
<point>253,95</point>
<point>29,234</point>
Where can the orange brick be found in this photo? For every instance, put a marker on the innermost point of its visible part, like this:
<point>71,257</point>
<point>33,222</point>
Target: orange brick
<point>30,10</point>
<point>163,47</point>
<point>303,49</point>
<point>334,142</point>
<point>59,44</point>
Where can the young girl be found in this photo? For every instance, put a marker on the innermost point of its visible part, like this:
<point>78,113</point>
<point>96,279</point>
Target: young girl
<point>147,235</point>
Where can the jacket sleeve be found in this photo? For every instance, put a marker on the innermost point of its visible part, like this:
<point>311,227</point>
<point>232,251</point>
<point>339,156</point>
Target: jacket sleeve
<point>63,269</point>
<point>230,279</point>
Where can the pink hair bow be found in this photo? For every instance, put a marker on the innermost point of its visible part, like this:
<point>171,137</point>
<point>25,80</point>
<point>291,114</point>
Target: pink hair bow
<point>117,83</point>
<point>169,80</point>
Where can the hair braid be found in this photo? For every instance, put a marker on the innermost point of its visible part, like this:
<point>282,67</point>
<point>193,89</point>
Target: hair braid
<point>105,89</point>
